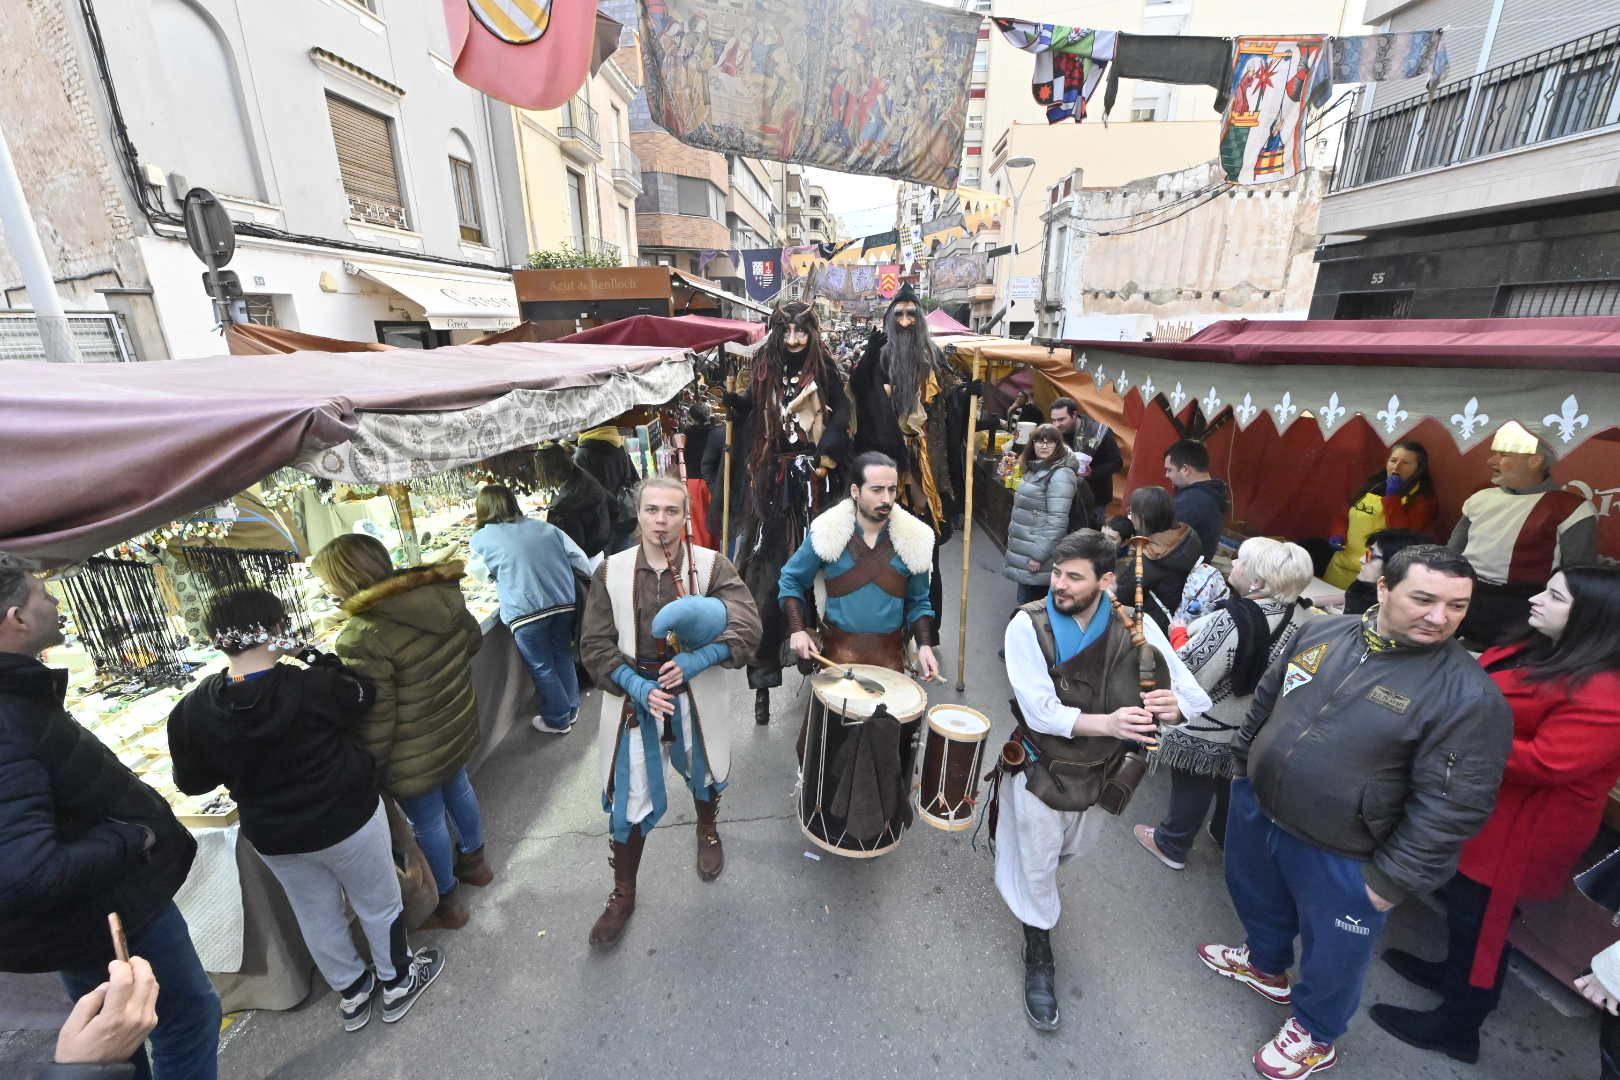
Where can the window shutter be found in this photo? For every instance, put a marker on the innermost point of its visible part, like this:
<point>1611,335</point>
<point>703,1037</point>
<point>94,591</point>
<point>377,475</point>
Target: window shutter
<point>365,149</point>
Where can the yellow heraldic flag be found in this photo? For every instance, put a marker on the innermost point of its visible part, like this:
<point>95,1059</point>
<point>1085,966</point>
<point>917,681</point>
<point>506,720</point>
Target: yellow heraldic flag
<point>516,22</point>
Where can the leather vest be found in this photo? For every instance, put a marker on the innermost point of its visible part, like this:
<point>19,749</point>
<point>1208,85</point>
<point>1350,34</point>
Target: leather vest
<point>1069,773</point>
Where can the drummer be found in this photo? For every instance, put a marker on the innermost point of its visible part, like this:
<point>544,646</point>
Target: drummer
<point>875,560</point>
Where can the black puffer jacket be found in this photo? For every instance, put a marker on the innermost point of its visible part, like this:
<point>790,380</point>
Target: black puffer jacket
<point>72,821</point>
<point>1167,560</point>
<point>1393,757</point>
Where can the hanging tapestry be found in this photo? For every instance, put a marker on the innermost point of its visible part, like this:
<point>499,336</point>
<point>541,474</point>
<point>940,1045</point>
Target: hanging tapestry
<point>959,272</point>
<point>1263,134</point>
<point>1069,62</point>
<point>878,87</point>
<point>1378,57</point>
<point>1162,58</point>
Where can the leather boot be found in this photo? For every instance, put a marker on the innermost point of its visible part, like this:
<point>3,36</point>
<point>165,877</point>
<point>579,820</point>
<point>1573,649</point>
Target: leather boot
<point>762,707</point>
<point>1429,974</point>
<point>1441,1029</point>
<point>711,857</point>
<point>472,869</point>
<point>621,903</point>
<point>1040,976</point>
<point>451,914</point>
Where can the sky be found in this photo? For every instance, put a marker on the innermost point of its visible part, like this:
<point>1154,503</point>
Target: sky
<point>864,204</point>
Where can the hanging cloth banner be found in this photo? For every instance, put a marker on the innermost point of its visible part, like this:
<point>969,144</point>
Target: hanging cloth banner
<point>534,54</point>
<point>878,87</point>
<point>1272,85</point>
<point>762,272</point>
<point>959,272</point>
<point>1069,63</point>
<point>1162,58</point>
<point>1379,57</point>
<point>888,281</point>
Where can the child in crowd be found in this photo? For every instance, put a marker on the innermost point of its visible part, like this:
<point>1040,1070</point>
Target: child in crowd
<point>280,738</point>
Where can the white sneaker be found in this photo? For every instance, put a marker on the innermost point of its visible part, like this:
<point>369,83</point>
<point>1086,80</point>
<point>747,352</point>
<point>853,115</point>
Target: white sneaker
<point>356,1007</point>
<point>1294,1054</point>
<point>399,996</point>
<point>539,724</point>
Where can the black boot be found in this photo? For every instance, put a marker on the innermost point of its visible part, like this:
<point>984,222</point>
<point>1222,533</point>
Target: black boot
<point>1439,1030</point>
<point>1040,991</point>
<point>1428,974</point>
<point>762,707</point>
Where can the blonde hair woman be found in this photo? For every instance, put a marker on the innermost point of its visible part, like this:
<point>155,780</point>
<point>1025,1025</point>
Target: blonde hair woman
<point>1227,650</point>
<point>411,636</point>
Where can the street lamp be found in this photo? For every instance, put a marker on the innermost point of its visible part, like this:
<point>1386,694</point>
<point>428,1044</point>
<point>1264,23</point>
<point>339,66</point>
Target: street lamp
<point>1012,256</point>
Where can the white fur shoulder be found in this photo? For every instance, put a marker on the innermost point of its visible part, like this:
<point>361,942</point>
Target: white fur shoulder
<point>913,540</point>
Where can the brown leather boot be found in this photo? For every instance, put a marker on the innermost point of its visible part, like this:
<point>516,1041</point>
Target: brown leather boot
<point>472,869</point>
<point>621,903</point>
<point>451,914</point>
<point>711,857</point>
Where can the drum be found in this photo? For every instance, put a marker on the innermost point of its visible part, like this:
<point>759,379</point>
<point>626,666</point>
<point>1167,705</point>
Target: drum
<point>953,754</point>
<point>854,794</point>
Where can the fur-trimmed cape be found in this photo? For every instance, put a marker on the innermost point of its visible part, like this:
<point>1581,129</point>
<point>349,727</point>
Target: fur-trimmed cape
<point>831,532</point>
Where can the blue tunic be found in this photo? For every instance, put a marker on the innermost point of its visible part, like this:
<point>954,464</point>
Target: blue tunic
<point>867,610</point>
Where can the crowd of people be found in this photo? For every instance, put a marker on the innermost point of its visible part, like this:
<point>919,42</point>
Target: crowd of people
<point>1352,760</point>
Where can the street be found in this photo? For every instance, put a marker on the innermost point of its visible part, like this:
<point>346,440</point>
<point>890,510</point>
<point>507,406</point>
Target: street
<point>790,966</point>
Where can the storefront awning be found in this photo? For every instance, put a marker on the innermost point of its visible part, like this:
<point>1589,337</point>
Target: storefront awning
<point>450,302</point>
<point>709,288</point>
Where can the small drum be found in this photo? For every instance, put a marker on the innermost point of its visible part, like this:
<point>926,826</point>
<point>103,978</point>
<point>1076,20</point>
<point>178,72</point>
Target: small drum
<point>953,754</point>
<point>840,754</point>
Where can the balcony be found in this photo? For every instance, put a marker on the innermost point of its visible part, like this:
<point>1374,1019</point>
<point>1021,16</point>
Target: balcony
<point>1553,95</point>
<point>577,130</point>
<point>595,245</point>
<point>626,169</point>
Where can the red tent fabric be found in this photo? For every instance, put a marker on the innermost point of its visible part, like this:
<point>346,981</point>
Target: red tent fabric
<point>1574,344</point>
<point>941,324</point>
<point>686,331</point>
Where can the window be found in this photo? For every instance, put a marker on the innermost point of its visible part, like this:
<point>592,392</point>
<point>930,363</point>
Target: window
<point>692,197</point>
<point>461,180</point>
<point>1143,116</point>
<point>1563,298</point>
<point>975,122</point>
<point>578,211</point>
<point>629,226</point>
<point>365,150</point>
<point>261,309</point>
<point>1386,304</point>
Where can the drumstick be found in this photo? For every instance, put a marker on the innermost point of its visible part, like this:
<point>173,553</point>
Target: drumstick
<point>869,685</point>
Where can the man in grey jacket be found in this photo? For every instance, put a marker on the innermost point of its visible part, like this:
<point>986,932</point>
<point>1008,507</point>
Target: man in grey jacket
<point>1372,753</point>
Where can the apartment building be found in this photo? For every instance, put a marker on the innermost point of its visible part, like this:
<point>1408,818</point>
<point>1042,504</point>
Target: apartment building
<point>359,171</point>
<point>1499,195</point>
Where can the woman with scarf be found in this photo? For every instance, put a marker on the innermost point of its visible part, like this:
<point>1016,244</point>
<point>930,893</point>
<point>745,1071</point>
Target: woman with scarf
<point>1398,496</point>
<point>1227,650</point>
<point>791,431</point>
<point>1173,549</point>
<point>1563,684</point>
<point>1040,514</point>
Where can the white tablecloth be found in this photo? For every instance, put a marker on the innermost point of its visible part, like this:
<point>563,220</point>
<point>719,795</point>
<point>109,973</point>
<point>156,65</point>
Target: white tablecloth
<point>211,900</point>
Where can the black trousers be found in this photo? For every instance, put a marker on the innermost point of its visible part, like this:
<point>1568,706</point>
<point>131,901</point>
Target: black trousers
<point>1466,1006</point>
<point>1609,1047</point>
<point>1190,796</point>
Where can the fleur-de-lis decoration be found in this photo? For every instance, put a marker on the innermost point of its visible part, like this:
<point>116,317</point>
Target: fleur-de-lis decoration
<point>1148,389</point>
<point>1246,410</point>
<point>1212,402</point>
<point>1332,412</point>
<point>1080,364</point>
<point>1178,397</point>
<point>1285,409</point>
<point>1470,418</point>
<point>1567,421</point>
<point>1392,414</point>
<point>1099,376</point>
<point>1121,384</point>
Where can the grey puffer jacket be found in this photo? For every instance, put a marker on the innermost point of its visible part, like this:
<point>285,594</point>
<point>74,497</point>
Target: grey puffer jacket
<point>1040,516</point>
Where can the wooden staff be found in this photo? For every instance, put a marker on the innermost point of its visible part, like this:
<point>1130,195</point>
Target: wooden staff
<point>967,532</point>
<point>725,483</point>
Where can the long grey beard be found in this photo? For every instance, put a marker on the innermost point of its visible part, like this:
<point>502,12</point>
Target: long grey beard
<point>909,357</point>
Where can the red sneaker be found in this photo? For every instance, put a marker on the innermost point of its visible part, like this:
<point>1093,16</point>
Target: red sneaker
<point>1233,962</point>
<point>1294,1054</point>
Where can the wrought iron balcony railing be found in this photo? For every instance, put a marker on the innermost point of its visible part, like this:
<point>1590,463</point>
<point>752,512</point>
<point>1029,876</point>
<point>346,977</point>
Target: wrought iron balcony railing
<point>1562,91</point>
<point>579,122</point>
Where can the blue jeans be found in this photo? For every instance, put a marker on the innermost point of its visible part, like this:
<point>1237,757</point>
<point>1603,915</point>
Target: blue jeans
<point>429,812</point>
<point>547,646</point>
<point>1283,886</point>
<point>185,1043</point>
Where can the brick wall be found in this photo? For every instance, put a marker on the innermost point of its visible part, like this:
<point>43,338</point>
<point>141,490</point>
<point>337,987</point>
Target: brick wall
<point>666,154</point>
<point>677,231</point>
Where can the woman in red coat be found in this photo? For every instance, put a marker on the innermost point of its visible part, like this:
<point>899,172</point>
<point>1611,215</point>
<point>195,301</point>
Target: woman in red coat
<point>1564,686</point>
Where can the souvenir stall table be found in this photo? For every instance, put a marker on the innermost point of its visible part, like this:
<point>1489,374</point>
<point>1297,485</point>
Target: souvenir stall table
<point>121,452</point>
<point>1299,414</point>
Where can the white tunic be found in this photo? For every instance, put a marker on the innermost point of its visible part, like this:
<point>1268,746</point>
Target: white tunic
<point>1031,837</point>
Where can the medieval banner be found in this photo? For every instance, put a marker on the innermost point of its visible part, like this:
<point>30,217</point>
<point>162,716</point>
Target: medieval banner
<point>888,281</point>
<point>878,87</point>
<point>1273,81</point>
<point>959,272</point>
<point>762,272</point>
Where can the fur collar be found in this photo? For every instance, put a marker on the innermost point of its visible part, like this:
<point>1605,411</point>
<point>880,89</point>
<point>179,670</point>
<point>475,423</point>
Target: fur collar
<point>913,541</point>
<point>404,581</point>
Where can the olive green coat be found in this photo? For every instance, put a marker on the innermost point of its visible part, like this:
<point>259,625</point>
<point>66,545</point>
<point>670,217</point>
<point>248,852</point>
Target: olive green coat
<point>414,638</point>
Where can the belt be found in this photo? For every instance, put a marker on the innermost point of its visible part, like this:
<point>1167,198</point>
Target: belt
<point>881,650</point>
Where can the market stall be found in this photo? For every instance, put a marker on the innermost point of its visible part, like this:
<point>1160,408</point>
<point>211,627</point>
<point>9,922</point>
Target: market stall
<point>1300,413</point>
<point>133,478</point>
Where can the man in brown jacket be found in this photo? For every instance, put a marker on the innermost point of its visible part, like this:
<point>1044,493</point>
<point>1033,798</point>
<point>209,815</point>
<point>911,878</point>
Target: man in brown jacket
<point>661,706</point>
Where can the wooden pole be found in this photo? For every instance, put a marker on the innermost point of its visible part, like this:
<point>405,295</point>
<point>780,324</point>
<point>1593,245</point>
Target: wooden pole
<point>967,531</point>
<point>725,483</point>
